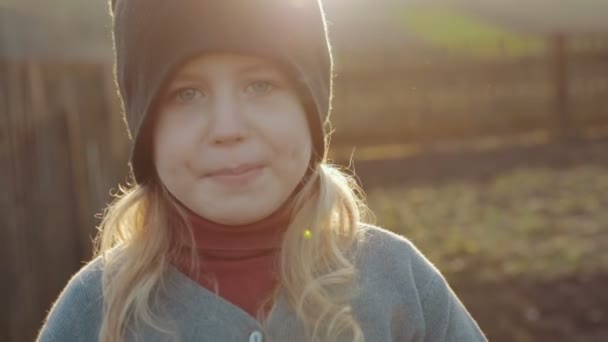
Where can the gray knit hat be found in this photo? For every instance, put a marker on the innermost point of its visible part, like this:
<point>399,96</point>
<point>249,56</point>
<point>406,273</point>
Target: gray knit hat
<point>154,37</point>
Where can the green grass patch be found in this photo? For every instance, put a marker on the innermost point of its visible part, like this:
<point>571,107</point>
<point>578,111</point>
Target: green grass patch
<point>463,33</point>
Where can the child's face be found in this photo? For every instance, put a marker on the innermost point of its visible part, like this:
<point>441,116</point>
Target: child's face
<point>232,140</point>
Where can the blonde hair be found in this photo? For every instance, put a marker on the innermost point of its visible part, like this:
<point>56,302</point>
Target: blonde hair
<point>317,274</point>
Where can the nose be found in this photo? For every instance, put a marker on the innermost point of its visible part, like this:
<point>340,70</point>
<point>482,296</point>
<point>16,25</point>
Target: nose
<point>228,125</point>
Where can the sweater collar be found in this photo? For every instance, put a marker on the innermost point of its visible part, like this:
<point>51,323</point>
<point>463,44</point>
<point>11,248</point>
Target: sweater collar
<point>265,234</point>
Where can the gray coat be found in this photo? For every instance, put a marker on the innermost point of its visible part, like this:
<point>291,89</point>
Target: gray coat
<point>403,297</point>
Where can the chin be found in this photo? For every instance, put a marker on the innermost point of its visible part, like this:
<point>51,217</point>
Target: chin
<point>237,220</point>
<point>240,213</point>
<point>239,208</point>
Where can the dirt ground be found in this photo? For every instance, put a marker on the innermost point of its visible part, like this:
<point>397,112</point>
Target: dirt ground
<point>572,306</point>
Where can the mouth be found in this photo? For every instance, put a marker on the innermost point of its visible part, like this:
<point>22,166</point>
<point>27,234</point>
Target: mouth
<point>236,170</point>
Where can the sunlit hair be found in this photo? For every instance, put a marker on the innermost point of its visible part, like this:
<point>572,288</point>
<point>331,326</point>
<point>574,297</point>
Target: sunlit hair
<point>139,237</point>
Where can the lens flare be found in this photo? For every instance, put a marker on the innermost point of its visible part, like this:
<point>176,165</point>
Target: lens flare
<point>307,234</point>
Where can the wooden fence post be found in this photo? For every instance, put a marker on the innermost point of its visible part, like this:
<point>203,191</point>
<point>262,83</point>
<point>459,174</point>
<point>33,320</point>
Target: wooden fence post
<point>558,58</point>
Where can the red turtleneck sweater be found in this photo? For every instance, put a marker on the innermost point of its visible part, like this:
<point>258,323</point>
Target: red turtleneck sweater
<point>240,258</point>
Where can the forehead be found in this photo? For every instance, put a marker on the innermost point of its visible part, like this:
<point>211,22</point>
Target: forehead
<point>214,63</point>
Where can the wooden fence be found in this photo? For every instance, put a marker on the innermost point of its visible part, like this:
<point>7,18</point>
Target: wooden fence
<point>563,91</point>
<point>63,144</point>
<point>60,153</point>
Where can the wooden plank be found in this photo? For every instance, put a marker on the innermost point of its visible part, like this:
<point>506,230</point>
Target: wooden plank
<point>560,78</point>
<point>18,218</point>
<point>76,142</point>
<point>7,268</point>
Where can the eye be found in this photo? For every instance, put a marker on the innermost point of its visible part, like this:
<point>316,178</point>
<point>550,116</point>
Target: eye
<point>259,87</point>
<point>186,94</point>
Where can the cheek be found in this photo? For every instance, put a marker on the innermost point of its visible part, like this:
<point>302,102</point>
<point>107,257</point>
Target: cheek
<point>169,147</point>
<point>300,151</point>
<point>293,146</point>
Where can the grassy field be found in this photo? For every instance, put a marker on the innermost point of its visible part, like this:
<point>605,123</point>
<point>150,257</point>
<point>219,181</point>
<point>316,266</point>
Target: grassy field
<point>529,221</point>
<point>465,33</point>
<point>523,246</point>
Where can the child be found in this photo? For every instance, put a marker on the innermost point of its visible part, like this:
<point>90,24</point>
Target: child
<point>236,228</point>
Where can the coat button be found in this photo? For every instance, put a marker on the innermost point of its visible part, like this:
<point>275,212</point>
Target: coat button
<point>255,336</point>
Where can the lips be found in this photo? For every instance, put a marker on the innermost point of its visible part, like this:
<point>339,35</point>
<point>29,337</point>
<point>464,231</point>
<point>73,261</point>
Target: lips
<point>234,171</point>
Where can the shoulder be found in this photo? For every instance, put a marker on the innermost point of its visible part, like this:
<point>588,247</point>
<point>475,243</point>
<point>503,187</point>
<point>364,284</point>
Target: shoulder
<point>88,276</point>
<point>395,258</point>
<point>383,237</point>
<point>84,287</point>
<point>78,308</point>
<point>395,274</point>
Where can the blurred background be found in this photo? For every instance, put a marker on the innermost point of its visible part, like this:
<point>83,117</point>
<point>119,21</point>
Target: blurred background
<point>478,129</point>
